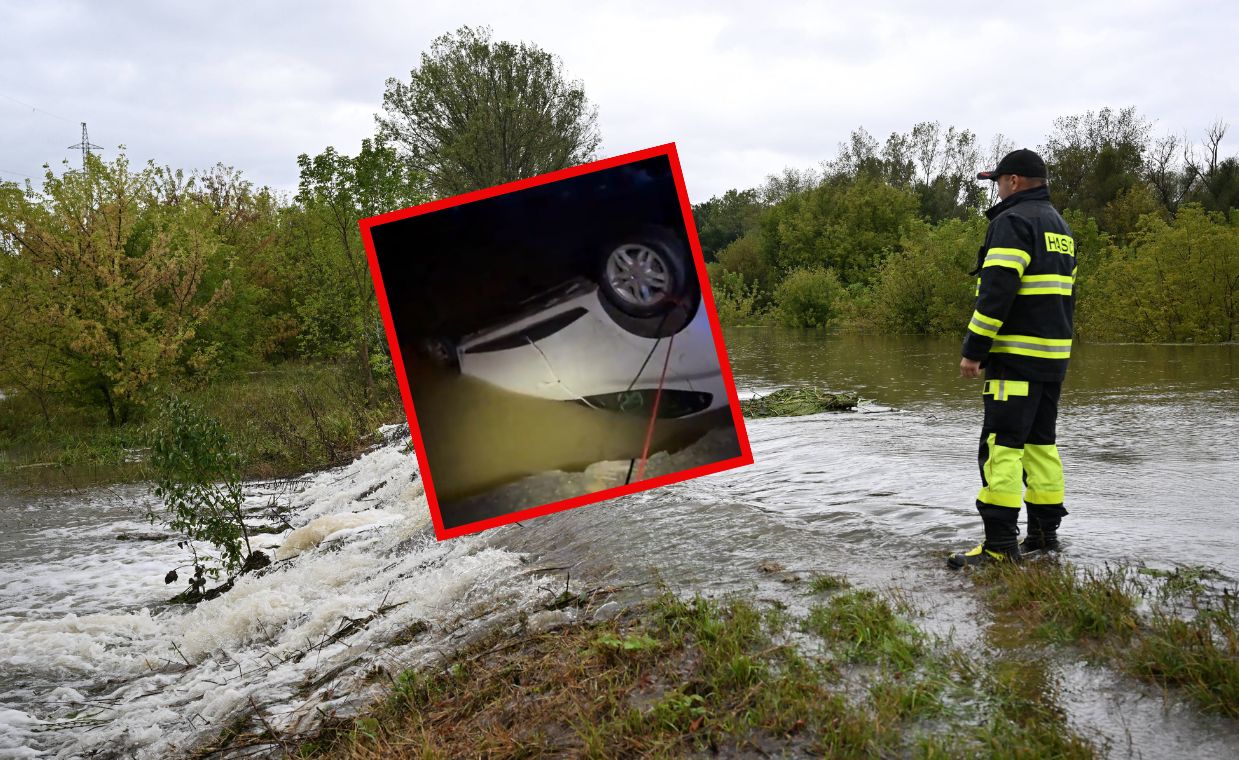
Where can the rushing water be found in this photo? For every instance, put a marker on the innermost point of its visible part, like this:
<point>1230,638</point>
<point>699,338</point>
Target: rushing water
<point>91,662</point>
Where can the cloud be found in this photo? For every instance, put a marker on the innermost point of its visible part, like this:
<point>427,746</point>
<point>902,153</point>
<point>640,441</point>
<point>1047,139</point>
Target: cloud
<point>743,89</point>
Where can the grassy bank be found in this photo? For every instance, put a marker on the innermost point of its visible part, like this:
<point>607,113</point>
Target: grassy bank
<point>852,678</point>
<point>281,421</point>
<point>1175,628</point>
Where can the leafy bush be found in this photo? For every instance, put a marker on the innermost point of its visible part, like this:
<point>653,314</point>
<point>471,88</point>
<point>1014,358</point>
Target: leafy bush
<point>197,477</point>
<point>809,298</point>
<point>736,299</point>
<point>924,286</point>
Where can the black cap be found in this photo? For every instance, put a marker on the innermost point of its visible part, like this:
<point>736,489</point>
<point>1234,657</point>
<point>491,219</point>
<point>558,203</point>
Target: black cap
<point>1022,162</point>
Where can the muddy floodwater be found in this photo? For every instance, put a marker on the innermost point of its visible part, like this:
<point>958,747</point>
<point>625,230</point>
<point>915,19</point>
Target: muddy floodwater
<point>881,495</point>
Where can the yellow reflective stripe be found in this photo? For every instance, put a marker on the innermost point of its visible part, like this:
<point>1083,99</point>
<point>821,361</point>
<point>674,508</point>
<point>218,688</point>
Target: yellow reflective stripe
<point>983,325</point>
<point>1007,257</point>
<point>1045,285</point>
<point>1027,345</point>
<point>1002,389</point>
<point>1043,497</point>
<point>977,292</point>
<point>1056,243</point>
<point>998,498</point>
<point>1004,475</point>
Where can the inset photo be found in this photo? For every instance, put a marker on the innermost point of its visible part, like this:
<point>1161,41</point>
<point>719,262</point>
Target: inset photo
<point>555,341</point>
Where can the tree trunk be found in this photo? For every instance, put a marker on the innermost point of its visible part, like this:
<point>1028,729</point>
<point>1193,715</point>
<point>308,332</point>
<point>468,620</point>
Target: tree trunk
<point>107,400</point>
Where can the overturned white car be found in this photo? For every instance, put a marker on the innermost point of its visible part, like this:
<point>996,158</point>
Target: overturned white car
<point>603,343</point>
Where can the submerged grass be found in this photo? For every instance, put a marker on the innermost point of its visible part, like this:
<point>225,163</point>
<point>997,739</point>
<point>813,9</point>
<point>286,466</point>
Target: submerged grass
<point>823,584</point>
<point>1200,653</point>
<point>867,629</point>
<point>1188,635</point>
<point>1065,603</point>
<point>677,677</point>
<point>795,402</point>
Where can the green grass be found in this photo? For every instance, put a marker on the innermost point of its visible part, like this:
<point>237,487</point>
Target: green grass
<point>1199,652</point>
<point>1066,603</point>
<point>865,628</point>
<point>824,584</point>
<point>677,677</point>
<point>1187,638</point>
<point>282,422</point>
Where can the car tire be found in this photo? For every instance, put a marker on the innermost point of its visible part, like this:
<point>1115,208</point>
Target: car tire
<point>643,273</point>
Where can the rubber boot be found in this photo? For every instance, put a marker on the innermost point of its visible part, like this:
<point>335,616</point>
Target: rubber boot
<point>1002,536</point>
<point>1043,522</point>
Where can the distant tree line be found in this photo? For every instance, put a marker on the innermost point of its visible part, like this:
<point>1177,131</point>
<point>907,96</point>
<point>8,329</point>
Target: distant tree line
<point>881,237</point>
<point>119,283</point>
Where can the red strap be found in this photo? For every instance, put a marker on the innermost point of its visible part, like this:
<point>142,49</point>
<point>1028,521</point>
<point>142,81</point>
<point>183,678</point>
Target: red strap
<point>649,431</point>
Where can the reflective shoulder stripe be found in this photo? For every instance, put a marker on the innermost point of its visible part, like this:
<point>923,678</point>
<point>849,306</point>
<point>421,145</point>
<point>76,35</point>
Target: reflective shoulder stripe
<point>1027,345</point>
<point>1045,285</point>
<point>983,325</point>
<point>1002,390</point>
<point>1007,257</point>
<point>1058,243</point>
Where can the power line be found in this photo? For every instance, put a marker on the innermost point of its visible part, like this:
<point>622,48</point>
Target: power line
<point>6,171</point>
<point>34,108</point>
<point>85,145</point>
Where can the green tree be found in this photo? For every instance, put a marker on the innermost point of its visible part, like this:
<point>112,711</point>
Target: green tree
<point>847,226</point>
<point>737,301</point>
<point>809,297</point>
<point>478,113</point>
<point>257,323</point>
<point>1214,180</point>
<point>746,257</point>
<point>924,286</point>
<point>1167,179</point>
<point>724,219</point>
<point>1121,216</point>
<point>1177,281</point>
<point>336,303</point>
<point>946,171</point>
<point>109,284</point>
<point>1093,157</point>
<point>1094,249</point>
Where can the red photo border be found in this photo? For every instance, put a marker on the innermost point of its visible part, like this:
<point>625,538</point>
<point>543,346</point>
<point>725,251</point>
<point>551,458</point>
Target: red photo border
<point>746,452</point>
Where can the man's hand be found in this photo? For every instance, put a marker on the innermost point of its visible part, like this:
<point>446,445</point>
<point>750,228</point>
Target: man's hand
<point>969,368</point>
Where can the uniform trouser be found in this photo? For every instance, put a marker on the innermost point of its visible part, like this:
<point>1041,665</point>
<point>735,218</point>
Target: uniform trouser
<point>1018,458</point>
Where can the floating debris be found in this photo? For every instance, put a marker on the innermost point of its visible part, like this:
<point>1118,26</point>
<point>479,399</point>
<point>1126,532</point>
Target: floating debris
<point>794,402</point>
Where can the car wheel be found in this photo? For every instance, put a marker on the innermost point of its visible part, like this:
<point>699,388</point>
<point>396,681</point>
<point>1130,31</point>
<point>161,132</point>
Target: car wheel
<point>644,273</point>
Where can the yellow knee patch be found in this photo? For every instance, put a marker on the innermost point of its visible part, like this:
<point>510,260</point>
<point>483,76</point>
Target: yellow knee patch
<point>1004,476</point>
<point>1044,471</point>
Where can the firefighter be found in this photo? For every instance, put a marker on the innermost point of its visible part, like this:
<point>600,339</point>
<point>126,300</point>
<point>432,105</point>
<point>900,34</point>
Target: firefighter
<point>1020,337</point>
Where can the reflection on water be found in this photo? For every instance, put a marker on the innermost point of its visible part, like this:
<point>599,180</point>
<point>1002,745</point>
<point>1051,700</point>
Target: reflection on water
<point>478,436</point>
<point>909,371</point>
<point>1146,433</point>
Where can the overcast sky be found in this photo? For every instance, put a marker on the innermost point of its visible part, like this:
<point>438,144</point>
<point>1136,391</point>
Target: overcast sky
<point>744,89</point>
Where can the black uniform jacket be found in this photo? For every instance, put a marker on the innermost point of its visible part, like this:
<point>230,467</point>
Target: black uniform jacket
<point>1021,327</point>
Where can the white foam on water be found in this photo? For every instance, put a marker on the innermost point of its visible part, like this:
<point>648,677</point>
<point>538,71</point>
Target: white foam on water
<point>331,526</point>
<point>362,587</point>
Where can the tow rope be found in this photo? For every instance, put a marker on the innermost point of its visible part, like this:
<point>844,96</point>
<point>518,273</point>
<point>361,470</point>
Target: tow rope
<point>649,431</point>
